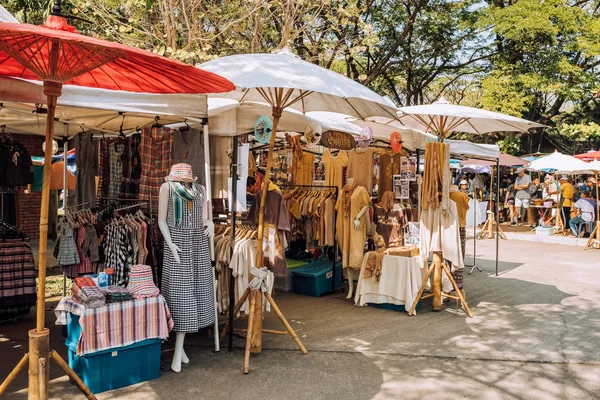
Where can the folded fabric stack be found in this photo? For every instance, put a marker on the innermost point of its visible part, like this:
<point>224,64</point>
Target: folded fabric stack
<point>116,294</point>
<point>85,291</point>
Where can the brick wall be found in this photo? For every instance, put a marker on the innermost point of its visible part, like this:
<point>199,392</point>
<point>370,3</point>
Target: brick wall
<point>28,204</point>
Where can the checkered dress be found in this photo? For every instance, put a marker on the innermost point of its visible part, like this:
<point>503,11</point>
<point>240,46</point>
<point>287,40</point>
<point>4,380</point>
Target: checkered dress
<point>155,155</point>
<point>188,286</point>
<point>104,166</point>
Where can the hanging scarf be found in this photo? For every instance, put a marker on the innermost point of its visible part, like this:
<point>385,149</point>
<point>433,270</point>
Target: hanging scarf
<point>348,190</point>
<point>182,192</point>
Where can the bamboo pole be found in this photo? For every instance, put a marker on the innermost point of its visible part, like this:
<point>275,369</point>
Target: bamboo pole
<point>436,286</point>
<point>287,325</point>
<point>39,348</point>
<point>256,334</point>
<point>251,321</point>
<point>14,373</point>
<point>65,367</point>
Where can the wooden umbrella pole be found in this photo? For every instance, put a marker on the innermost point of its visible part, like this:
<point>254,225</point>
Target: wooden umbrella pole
<point>52,90</point>
<point>256,331</point>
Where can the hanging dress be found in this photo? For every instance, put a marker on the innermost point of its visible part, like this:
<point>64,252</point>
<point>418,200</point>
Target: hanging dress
<point>188,286</point>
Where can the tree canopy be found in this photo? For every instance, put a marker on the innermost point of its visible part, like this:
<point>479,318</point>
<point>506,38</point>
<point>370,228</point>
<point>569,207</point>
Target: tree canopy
<point>537,59</point>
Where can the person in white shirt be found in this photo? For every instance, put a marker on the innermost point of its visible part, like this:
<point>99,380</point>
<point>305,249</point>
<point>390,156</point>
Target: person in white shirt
<point>586,213</point>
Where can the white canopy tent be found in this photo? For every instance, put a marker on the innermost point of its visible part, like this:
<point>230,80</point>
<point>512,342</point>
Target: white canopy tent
<point>92,109</point>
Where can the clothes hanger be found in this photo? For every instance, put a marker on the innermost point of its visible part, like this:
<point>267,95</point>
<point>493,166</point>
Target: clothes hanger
<point>186,127</point>
<point>156,124</point>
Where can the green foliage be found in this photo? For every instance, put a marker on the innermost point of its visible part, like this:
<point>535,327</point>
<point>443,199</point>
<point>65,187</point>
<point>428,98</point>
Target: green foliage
<point>529,58</point>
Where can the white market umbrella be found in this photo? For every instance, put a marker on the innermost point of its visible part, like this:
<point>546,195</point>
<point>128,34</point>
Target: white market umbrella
<point>561,163</point>
<point>286,81</point>
<point>442,118</point>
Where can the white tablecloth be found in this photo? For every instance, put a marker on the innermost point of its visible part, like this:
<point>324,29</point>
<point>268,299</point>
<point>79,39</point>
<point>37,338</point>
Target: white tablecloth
<point>482,207</point>
<point>401,279</point>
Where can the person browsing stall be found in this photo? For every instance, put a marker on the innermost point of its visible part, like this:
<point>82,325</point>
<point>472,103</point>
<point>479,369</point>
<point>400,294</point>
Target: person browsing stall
<point>509,201</point>
<point>568,193</point>
<point>522,194</point>
<point>585,210</point>
<point>590,185</point>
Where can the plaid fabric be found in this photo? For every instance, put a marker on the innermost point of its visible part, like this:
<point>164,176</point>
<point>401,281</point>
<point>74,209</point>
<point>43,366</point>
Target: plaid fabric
<point>155,154</point>
<point>117,324</point>
<point>17,277</point>
<point>104,166</point>
<point>85,263</point>
<point>132,167</point>
<point>181,173</point>
<point>116,149</point>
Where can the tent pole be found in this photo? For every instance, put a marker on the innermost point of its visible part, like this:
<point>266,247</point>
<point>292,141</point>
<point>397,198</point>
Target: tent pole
<point>65,191</point>
<point>234,177</point>
<point>497,211</point>
<point>211,240</point>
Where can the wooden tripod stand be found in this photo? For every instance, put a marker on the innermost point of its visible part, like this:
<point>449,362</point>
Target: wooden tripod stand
<point>256,312</point>
<point>487,231</point>
<point>435,269</point>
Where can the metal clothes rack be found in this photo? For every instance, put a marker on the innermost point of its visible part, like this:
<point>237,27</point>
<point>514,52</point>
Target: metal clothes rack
<point>336,244</point>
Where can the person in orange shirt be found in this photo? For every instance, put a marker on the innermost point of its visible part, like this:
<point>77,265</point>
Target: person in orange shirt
<point>567,194</point>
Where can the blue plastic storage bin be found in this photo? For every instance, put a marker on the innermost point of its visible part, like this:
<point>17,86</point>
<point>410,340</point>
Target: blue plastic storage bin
<point>113,368</point>
<point>317,278</point>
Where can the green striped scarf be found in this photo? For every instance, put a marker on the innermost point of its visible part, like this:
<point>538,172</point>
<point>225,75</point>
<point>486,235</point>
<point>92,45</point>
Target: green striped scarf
<point>181,192</point>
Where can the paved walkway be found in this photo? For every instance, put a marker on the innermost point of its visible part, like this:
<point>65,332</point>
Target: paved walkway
<point>534,335</point>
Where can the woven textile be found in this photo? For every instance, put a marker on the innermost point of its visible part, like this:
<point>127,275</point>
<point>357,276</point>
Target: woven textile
<point>140,282</point>
<point>87,167</point>
<point>116,168</point>
<point>188,286</point>
<point>17,278</point>
<point>116,324</point>
<point>85,263</point>
<point>104,166</point>
<point>132,167</point>
<point>155,155</point>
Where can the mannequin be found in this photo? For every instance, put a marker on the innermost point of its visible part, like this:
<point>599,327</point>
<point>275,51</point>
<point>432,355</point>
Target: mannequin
<point>355,224</point>
<point>350,271</point>
<point>195,258</point>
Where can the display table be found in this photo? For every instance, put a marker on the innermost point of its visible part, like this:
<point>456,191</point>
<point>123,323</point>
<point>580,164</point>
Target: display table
<point>400,281</point>
<point>114,325</point>
<point>482,207</point>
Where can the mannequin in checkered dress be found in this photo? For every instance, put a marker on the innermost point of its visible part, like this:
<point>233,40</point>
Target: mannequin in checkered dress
<point>187,283</point>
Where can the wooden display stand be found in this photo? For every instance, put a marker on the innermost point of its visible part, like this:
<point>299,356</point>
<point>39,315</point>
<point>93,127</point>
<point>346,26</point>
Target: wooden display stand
<point>279,99</point>
<point>436,268</point>
<point>559,226</point>
<point>488,231</point>
<point>594,240</point>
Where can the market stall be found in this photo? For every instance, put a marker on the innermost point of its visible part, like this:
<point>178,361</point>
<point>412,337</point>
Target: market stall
<point>56,55</point>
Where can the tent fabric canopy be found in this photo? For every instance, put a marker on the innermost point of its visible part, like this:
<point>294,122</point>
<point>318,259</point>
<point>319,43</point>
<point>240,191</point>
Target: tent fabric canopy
<point>506,160</point>
<point>94,109</point>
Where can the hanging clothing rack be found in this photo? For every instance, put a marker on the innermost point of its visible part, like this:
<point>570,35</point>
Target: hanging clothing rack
<point>291,186</point>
